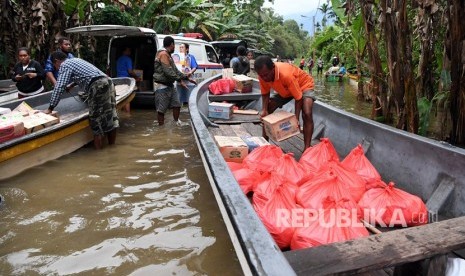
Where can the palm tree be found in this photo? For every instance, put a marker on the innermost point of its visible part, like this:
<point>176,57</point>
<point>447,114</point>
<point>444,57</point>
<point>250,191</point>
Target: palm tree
<point>324,8</point>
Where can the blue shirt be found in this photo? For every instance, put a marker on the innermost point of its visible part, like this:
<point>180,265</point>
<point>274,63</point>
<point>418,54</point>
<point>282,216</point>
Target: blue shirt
<point>74,70</point>
<point>49,65</point>
<point>123,64</point>
<point>342,70</point>
<point>192,61</point>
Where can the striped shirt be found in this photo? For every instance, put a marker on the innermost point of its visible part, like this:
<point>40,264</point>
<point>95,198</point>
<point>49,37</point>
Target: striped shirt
<point>74,70</point>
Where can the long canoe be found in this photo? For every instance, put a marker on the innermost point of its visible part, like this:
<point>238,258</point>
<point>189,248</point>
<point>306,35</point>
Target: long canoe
<point>71,133</point>
<point>430,169</point>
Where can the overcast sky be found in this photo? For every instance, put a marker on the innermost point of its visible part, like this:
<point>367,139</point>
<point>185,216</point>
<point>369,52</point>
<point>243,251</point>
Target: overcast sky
<point>292,7</point>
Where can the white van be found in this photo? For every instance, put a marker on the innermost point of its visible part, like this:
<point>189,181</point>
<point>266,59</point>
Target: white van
<point>144,44</point>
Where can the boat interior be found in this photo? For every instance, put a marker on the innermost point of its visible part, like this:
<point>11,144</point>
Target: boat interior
<point>411,165</point>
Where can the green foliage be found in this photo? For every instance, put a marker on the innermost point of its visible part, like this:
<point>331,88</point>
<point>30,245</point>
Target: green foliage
<point>112,15</point>
<point>424,111</point>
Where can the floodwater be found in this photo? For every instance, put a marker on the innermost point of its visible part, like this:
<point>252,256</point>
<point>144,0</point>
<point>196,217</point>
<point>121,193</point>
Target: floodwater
<point>142,207</point>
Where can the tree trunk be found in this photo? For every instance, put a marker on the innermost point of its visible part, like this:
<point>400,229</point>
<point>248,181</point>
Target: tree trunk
<point>399,57</point>
<point>378,91</point>
<point>457,89</point>
<point>427,18</point>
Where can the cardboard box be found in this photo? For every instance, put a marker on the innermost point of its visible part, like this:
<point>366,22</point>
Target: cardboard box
<point>10,130</point>
<point>254,142</point>
<point>23,107</point>
<point>243,83</point>
<point>281,125</point>
<point>233,148</point>
<point>38,121</point>
<point>4,110</point>
<point>227,73</point>
<point>220,110</point>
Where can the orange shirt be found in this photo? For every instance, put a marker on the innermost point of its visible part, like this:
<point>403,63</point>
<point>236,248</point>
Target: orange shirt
<point>289,81</point>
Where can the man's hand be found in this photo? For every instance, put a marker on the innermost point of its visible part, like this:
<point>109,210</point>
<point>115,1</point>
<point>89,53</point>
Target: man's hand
<point>31,75</point>
<point>264,113</point>
<point>47,111</point>
<point>192,81</point>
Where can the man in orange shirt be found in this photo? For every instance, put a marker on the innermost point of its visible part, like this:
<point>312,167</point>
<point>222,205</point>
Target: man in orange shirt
<point>289,82</point>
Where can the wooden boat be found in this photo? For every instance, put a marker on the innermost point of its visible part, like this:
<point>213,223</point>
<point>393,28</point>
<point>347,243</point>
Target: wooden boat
<point>70,134</point>
<point>332,77</point>
<point>430,169</point>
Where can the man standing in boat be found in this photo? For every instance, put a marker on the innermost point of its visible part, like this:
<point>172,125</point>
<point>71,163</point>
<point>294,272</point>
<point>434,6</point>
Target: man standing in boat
<point>99,93</point>
<point>289,82</point>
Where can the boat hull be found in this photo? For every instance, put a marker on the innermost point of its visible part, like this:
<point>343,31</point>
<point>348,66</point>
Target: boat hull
<point>72,133</point>
<point>430,169</point>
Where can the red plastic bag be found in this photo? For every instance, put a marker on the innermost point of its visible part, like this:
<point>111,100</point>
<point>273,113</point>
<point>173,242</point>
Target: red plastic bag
<point>267,185</point>
<point>317,156</point>
<point>291,170</point>
<point>276,215</point>
<point>313,192</point>
<point>334,223</point>
<point>358,162</point>
<point>247,179</point>
<point>263,159</point>
<point>234,166</point>
<point>386,205</point>
<point>349,178</point>
<point>222,86</point>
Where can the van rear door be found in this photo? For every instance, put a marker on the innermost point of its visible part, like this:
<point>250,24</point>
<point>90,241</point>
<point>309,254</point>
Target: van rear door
<point>143,43</point>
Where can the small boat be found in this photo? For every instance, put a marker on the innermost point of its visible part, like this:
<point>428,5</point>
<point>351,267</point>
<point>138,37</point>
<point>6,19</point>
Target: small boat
<point>332,77</point>
<point>8,91</point>
<point>71,133</point>
<point>430,169</point>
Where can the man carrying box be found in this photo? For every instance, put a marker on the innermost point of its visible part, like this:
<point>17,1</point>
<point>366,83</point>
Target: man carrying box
<point>289,82</point>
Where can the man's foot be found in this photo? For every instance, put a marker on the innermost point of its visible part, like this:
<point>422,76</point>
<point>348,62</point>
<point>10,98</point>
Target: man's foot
<point>180,123</point>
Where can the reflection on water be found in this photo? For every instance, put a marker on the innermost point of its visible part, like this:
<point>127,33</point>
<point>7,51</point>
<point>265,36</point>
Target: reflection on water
<point>143,207</point>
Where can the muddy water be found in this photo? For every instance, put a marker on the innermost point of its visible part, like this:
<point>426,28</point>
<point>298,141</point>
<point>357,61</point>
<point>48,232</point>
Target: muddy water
<point>143,207</point>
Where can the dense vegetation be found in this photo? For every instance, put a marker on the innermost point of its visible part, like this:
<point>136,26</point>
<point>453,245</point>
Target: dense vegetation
<point>411,51</point>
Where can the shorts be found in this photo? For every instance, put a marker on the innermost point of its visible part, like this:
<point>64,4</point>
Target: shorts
<point>102,106</point>
<point>282,101</point>
<point>166,98</point>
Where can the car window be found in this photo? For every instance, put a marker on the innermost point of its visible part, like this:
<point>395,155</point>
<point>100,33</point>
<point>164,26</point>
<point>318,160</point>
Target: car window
<point>211,54</point>
<point>196,51</point>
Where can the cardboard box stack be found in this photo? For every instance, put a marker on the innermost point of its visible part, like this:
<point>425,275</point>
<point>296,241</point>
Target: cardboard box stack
<point>233,148</point>
<point>24,120</point>
<point>281,125</point>
<point>220,110</point>
<point>243,83</point>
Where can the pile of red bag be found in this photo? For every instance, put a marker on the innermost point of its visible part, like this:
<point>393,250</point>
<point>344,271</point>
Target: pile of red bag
<point>320,199</point>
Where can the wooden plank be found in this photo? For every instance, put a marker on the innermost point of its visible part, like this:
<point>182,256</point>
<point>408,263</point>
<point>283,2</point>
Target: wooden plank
<point>240,130</point>
<point>254,129</point>
<point>236,121</point>
<point>380,251</point>
<point>440,195</point>
<point>246,111</point>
